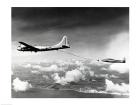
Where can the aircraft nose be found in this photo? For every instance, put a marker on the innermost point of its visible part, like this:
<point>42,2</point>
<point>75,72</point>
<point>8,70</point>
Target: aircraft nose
<point>19,47</point>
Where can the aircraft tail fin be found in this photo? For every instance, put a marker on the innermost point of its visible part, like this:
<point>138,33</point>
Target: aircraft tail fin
<point>124,60</point>
<point>63,42</point>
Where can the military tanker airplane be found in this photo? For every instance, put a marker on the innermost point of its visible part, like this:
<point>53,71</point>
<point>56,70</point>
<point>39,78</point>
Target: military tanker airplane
<point>63,44</point>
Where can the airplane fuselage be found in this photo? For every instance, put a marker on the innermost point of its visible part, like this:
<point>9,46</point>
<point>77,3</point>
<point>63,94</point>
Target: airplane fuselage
<point>114,61</point>
<point>43,49</point>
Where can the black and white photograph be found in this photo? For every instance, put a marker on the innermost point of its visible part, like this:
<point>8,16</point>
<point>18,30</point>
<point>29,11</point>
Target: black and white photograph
<point>70,52</point>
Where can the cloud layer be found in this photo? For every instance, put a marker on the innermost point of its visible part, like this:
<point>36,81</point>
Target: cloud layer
<point>81,75</point>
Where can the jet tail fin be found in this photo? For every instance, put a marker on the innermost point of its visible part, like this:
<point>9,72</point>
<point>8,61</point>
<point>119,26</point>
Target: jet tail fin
<point>124,60</point>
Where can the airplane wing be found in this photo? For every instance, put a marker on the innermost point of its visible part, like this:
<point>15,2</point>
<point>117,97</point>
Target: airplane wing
<point>29,46</point>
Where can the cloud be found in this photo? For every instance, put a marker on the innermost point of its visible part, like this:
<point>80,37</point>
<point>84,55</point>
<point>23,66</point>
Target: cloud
<point>35,66</point>
<point>116,88</point>
<point>102,75</point>
<point>91,73</point>
<point>77,71</point>
<point>103,68</point>
<point>46,77</point>
<point>27,65</point>
<point>90,90</point>
<point>78,63</point>
<point>86,68</point>
<point>52,67</point>
<point>58,79</point>
<point>113,76</point>
<point>111,88</point>
<point>35,72</point>
<point>75,75</point>
<point>19,85</point>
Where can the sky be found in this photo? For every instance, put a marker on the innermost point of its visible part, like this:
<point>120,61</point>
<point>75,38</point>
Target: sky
<point>93,32</point>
